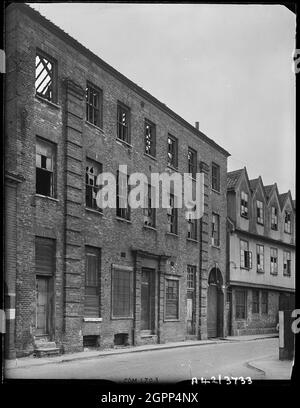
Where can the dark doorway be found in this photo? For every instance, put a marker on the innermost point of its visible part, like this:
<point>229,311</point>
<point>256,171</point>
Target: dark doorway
<point>147,300</point>
<point>214,304</point>
<point>43,306</point>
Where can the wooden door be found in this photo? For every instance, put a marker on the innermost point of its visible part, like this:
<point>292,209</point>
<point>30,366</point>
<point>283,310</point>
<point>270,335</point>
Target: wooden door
<point>212,311</point>
<point>42,305</point>
<point>147,299</point>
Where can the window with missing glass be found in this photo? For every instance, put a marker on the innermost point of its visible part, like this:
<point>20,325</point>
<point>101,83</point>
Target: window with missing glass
<point>92,170</point>
<point>172,299</point>
<point>259,212</point>
<point>149,210</point>
<point>215,177</point>
<point>255,301</point>
<point>45,167</point>
<point>192,227</point>
<point>244,204</point>
<point>260,258</point>
<point>192,162</point>
<point>245,255</point>
<point>172,151</point>
<point>240,304</point>
<point>150,138</point>
<point>122,291</point>
<point>287,222</point>
<point>123,209</point>
<point>264,302</point>
<point>172,215</point>
<point>215,227</point>
<point>45,76</point>
<point>274,218</point>
<point>286,263</point>
<point>93,105</point>
<point>274,261</point>
<point>123,122</point>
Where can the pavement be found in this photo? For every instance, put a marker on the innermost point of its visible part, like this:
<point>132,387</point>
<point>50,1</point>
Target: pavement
<point>268,364</point>
<point>273,368</point>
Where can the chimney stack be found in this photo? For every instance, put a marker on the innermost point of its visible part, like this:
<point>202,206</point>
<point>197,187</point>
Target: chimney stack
<point>197,125</point>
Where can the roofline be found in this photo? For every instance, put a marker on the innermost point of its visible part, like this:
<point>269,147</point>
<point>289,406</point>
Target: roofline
<point>35,15</point>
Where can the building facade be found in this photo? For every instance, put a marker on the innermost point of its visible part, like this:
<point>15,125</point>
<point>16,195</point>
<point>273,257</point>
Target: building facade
<point>78,275</point>
<point>261,254</point>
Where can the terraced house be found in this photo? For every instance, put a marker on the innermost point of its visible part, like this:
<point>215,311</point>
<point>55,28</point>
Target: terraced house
<point>261,254</point>
<point>78,275</point>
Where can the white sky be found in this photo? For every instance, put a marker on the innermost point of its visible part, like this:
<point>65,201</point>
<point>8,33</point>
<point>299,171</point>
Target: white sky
<point>227,66</point>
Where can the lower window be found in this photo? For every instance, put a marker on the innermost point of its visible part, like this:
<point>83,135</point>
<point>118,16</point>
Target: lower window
<point>240,303</point>
<point>172,299</point>
<point>122,291</point>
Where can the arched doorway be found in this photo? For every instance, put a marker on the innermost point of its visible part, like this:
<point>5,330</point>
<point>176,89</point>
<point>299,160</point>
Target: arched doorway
<point>215,304</point>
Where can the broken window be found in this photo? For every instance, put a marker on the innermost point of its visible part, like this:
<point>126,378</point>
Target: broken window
<point>244,204</point>
<point>123,209</point>
<point>240,304</point>
<point>260,258</point>
<point>274,261</point>
<point>215,177</point>
<point>255,301</point>
<point>246,255</point>
<point>286,263</point>
<point>274,218</point>
<point>215,226</point>
<point>259,212</point>
<point>264,302</point>
<point>45,158</point>
<point>45,77</point>
<point>172,299</point>
<point>287,222</point>
<point>172,151</point>
<point>192,162</point>
<point>93,169</point>
<point>92,293</point>
<point>150,138</point>
<point>149,212</point>
<point>122,291</point>
<point>93,105</point>
<point>123,123</point>
<point>172,215</point>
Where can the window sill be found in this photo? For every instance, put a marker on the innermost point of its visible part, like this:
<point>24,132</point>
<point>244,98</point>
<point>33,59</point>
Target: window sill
<point>216,191</point>
<point>286,275</point>
<point>91,210</point>
<point>123,220</point>
<point>172,168</point>
<point>216,246</point>
<point>147,227</point>
<point>274,274</point>
<point>172,234</point>
<point>53,104</point>
<point>260,271</point>
<point>150,156</point>
<point>286,232</point>
<point>195,241</point>
<point>123,143</point>
<point>47,197</point>
<point>246,217</point>
<point>171,320</point>
<point>245,268</point>
<point>121,318</point>
<point>260,223</point>
<point>274,229</point>
<point>95,126</point>
<point>92,319</point>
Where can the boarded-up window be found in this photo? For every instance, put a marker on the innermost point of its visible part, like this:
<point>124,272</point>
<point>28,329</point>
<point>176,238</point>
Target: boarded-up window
<point>172,299</point>
<point>92,286</point>
<point>44,256</point>
<point>122,291</point>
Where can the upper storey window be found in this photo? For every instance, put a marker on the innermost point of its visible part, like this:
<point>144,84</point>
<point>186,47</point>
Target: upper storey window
<point>244,204</point>
<point>45,77</point>
<point>192,162</point>
<point>123,123</point>
<point>150,138</point>
<point>45,166</point>
<point>259,212</point>
<point>172,151</point>
<point>287,222</point>
<point>274,218</point>
<point>93,105</point>
<point>215,177</point>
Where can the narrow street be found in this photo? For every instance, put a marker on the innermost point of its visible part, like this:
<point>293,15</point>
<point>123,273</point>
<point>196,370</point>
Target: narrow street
<point>169,365</point>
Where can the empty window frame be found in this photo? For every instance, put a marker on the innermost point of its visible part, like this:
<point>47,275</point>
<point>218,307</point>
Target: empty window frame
<point>244,204</point>
<point>240,304</point>
<point>149,212</point>
<point>92,170</point>
<point>287,222</point>
<point>260,258</point>
<point>92,282</point>
<point>215,177</point>
<point>172,299</point>
<point>150,138</point>
<point>123,209</point>
<point>172,151</point>
<point>93,105</point>
<point>192,228</point>
<point>274,218</point>
<point>255,301</point>
<point>264,302</point>
<point>172,215</point>
<point>45,167</point>
<point>192,162</point>
<point>122,292</point>
<point>123,123</point>
<point>274,261</point>
<point>246,255</point>
<point>215,227</point>
<point>45,77</point>
<point>259,212</point>
<point>286,263</point>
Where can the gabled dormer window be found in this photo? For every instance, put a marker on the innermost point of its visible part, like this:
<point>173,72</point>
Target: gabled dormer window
<point>244,204</point>
<point>259,212</point>
<point>287,222</point>
<point>274,218</point>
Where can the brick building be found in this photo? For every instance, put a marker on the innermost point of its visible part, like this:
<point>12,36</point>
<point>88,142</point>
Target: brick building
<point>76,275</point>
<point>261,254</point>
